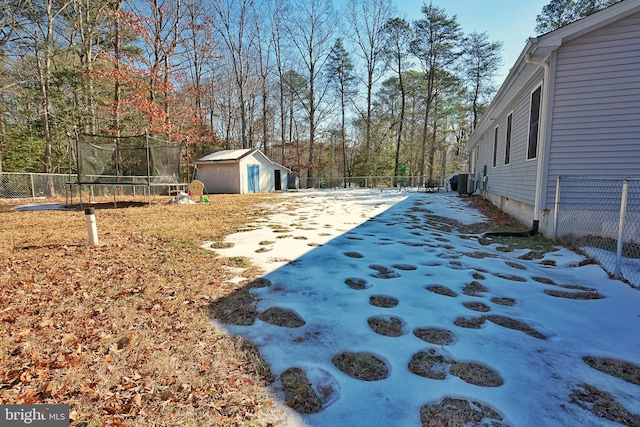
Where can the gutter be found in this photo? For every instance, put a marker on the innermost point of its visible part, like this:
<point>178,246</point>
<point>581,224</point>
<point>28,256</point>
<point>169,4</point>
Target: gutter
<point>542,138</point>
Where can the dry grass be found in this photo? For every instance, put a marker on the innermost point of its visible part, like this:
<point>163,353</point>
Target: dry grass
<point>121,331</point>
<point>477,306</point>
<point>435,335</point>
<point>505,322</point>
<point>617,368</point>
<point>442,290</point>
<point>281,317</point>
<point>298,393</point>
<point>389,327</point>
<point>603,405</point>
<point>383,301</point>
<point>456,412</point>
<point>362,366</point>
<point>357,284</point>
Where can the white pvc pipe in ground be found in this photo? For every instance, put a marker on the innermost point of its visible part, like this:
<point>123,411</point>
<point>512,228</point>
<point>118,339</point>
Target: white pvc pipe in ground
<point>91,226</point>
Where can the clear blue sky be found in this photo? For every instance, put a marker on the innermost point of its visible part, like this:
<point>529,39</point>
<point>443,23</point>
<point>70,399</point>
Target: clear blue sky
<point>510,21</point>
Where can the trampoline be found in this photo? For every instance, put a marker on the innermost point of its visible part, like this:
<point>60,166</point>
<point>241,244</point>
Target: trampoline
<point>141,162</point>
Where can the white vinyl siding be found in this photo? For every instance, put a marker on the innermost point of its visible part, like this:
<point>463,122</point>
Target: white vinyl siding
<point>515,180</point>
<point>596,110</point>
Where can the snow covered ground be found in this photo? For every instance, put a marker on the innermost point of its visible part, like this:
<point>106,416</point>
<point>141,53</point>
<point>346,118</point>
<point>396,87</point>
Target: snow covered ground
<point>332,256</point>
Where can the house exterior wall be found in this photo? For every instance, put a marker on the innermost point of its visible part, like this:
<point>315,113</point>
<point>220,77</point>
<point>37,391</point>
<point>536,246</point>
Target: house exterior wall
<point>510,186</point>
<point>591,123</point>
<point>595,127</point>
<point>220,178</point>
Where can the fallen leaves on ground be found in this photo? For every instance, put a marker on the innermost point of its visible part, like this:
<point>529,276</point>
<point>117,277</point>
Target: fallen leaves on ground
<point>120,331</point>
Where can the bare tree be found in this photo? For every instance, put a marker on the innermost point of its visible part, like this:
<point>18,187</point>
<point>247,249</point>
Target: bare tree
<point>87,21</point>
<point>263,67</point>
<point>311,26</point>
<point>199,53</point>
<point>367,19</point>
<point>232,22</point>
<point>39,39</point>
<point>277,10</point>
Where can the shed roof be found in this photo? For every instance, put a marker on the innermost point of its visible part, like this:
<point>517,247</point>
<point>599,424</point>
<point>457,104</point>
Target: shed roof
<point>225,156</point>
<point>234,156</point>
<point>539,49</point>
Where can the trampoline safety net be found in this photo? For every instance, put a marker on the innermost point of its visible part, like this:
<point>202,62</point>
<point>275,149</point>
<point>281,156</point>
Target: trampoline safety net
<point>135,160</point>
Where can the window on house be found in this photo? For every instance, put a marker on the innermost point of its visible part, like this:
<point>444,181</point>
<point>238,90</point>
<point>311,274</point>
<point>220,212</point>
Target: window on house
<point>534,122</point>
<point>507,144</point>
<point>495,146</point>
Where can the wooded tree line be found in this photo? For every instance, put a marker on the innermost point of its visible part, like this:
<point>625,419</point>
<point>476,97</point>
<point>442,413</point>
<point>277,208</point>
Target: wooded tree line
<point>348,91</point>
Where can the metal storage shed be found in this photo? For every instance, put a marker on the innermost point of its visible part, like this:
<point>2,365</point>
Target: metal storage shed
<point>240,171</point>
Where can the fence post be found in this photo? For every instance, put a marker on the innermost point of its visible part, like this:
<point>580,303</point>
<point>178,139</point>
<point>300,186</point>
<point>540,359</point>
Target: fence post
<point>623,212</point>
<point>556,209</point>
<point>33,188</point>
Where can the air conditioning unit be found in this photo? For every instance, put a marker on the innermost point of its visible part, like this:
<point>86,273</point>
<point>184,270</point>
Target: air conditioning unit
<point>464,186</point>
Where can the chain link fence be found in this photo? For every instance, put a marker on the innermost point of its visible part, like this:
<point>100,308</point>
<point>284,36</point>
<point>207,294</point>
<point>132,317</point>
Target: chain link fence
<point>601,216</point>
<point>34,186</point>
<point>15,185</point>
<point>435,183</point>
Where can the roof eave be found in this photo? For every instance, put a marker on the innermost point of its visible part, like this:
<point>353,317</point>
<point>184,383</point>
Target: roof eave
<point>539,49</point>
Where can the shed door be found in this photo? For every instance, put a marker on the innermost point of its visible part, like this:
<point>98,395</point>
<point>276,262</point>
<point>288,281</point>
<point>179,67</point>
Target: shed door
<point>278,180</point>
<point>253,174</point>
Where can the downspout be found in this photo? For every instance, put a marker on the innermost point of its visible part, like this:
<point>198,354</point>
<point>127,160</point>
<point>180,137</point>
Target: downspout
<point>542,133</point>
<point>542,139</point>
